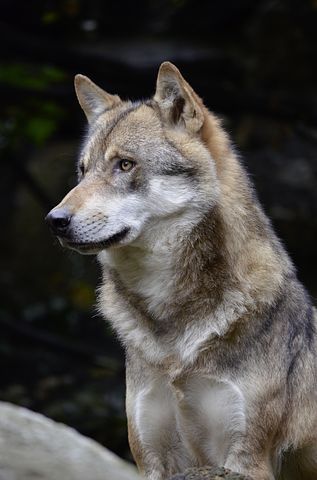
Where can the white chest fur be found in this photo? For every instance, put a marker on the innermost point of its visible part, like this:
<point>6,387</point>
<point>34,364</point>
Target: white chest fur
<point>146,274</point>
<point>206,414</point>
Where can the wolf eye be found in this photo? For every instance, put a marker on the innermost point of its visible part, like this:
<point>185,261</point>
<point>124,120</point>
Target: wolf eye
<point>126,165</point>
<point>82,169</point>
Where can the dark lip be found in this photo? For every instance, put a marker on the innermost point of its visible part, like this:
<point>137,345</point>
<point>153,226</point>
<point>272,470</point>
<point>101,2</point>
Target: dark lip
<point>99,245</point>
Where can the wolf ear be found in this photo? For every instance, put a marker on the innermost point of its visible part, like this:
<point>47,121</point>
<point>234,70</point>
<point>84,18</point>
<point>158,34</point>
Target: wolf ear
<point>178,102</point>
<point>92,99</point>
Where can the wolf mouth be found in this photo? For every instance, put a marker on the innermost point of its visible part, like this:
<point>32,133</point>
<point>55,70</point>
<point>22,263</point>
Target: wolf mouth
<point>113,239</point>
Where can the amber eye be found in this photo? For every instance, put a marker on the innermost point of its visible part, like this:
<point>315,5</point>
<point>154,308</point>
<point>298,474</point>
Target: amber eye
<point>126,165</point>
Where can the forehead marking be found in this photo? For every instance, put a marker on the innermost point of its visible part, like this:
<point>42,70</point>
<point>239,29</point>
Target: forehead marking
<point>121,116</point>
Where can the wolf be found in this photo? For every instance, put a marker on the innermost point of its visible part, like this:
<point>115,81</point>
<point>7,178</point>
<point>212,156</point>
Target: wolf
<point>219,334</point>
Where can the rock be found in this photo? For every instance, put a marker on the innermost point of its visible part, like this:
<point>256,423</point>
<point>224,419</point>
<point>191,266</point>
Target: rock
<point>33,447</point>
<point>209,473</point>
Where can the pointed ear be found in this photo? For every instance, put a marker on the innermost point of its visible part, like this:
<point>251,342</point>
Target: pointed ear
<point>178,102</point>
<point>92,99</point>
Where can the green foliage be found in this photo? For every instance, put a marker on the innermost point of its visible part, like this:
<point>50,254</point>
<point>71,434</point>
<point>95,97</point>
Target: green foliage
<point>30,119</point>
<point>35,77</point>
<point>39,128</point>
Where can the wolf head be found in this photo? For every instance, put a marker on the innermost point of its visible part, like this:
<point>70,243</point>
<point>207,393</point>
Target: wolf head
<point>142,166</point>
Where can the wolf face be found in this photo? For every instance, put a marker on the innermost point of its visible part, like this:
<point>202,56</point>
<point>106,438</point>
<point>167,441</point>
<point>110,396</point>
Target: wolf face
<point>142,165</point>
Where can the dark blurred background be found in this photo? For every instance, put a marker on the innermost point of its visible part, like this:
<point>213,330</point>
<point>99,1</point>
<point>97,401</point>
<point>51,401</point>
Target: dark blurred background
<point>253,62</point>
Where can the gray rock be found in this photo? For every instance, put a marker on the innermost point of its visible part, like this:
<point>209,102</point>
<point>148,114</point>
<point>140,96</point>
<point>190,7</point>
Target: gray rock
<point>33,447</point>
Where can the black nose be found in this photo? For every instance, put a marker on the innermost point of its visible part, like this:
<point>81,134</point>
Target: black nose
<point>59,220</point>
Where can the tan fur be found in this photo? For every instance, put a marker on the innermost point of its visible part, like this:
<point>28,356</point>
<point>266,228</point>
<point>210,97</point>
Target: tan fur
<point>220,336</point>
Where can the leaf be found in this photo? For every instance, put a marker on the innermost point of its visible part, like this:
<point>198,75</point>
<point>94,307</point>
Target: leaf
<point>30,76</point>
<point>39,129</point>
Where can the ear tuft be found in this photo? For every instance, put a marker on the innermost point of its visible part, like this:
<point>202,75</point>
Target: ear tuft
<point>92,99</point>
<point>178,102</point>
